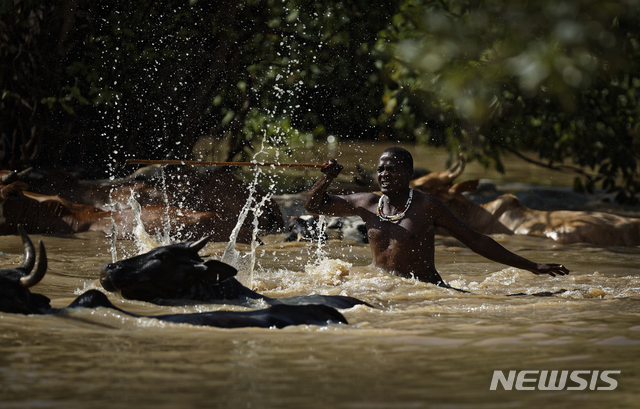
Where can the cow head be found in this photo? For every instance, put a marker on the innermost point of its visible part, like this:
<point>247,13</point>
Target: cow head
<point>305,228</point>
<point>172,272</point>
<point>440,184</point>
<point>350,228</point>
<point>15,296</point>
<point>435,183</point>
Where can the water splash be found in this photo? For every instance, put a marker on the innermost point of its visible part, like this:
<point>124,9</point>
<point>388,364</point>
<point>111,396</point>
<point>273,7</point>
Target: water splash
<point>231,256</point>
<point>320,253</point>
<point>166,223</point>
<point>143,240</point>
<point>113,237</point>
<point>286,95</point>
<point>257,211</point>
<point>245,264</point>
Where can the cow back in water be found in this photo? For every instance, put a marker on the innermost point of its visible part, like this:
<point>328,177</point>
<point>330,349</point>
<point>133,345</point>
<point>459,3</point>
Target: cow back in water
<point>506,215</point>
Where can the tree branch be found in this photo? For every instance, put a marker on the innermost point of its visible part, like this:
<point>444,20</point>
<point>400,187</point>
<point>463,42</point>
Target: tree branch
<point>561,168</point>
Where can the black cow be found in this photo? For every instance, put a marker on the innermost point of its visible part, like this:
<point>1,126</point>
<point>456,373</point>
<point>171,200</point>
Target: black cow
<point>278,316</point>
<point>15,297</point>
<point>175,274</point>
<point>307,228</point>
<point>350,228</point>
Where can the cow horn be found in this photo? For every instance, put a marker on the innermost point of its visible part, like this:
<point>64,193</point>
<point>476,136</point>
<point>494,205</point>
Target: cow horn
<point>34,277</point>
<point>198,245</point>
<point>15,176</point>
<point>9,178</point>
<point>458,167</point>
<point>24,173</point>
<point>29,251</point>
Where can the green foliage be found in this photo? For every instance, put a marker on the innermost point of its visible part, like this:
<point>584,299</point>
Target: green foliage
<point>558,79</point>
<point>149,79</point>
<point>98,81</point>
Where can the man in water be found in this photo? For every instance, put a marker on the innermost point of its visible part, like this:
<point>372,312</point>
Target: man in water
<point>402,223</point>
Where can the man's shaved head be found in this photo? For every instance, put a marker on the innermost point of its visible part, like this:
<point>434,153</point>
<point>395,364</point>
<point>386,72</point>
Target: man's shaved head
<point>402,155</point>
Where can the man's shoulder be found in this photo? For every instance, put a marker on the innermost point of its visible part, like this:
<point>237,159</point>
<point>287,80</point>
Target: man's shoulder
<point>364,196</point>
<point>424,196</point>
<point>426,199</point>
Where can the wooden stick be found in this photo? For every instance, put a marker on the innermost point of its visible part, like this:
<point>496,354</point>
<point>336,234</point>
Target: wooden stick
<point>208,163</point>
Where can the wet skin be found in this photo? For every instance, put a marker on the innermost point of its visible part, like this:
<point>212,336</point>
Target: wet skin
<point>406,248</point>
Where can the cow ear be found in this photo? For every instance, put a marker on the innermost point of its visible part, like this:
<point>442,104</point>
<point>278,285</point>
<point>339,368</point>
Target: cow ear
<point>217,271</point>
<point>466,186</point>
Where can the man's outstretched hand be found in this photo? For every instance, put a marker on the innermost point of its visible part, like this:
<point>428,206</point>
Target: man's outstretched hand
<point>552,269</point>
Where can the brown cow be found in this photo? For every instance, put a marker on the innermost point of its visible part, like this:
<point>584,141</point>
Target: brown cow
<point>42,214</point>
<point>507,216</point>
<point>217,192</point>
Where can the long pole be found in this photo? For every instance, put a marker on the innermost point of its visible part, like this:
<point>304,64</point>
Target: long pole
<point>209,163</point>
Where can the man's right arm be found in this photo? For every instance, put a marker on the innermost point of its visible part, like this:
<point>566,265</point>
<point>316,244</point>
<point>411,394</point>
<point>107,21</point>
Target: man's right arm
<point>320,202</point>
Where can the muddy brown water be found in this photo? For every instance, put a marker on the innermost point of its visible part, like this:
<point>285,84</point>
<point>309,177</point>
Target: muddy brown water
<point>421,347</point>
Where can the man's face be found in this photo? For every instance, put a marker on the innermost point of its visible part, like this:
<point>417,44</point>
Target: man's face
<point>393,176</point>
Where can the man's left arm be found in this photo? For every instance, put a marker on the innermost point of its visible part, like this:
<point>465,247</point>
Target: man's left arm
<point>489,248</point>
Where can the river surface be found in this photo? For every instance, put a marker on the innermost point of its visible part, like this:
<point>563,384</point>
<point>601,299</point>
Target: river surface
<point>420,347</point>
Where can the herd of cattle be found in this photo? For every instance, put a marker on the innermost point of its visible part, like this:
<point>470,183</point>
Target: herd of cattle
<point>200,204</point>
<point>194,204</point>
<point>189,203</point>
<point>507,215</point>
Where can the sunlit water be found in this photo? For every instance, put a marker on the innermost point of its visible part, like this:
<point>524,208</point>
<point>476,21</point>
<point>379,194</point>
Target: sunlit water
<point>420,347</point>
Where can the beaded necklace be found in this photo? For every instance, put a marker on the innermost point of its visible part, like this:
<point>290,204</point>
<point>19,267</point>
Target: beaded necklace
<point>396,217</point>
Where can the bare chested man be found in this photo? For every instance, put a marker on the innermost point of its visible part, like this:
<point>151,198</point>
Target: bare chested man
<point>402,222</point>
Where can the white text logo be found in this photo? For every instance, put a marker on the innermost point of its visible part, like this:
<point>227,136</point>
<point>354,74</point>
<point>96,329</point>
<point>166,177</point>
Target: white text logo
<point>555,380</point>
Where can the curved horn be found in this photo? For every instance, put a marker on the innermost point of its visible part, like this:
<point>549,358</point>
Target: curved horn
<point>35,277</point>
<point>198,245</point>
<point>24,173</point>
<point>15,176</point>
<point>29,251</point>
<point>9,178</point>
<point>458,167</point>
